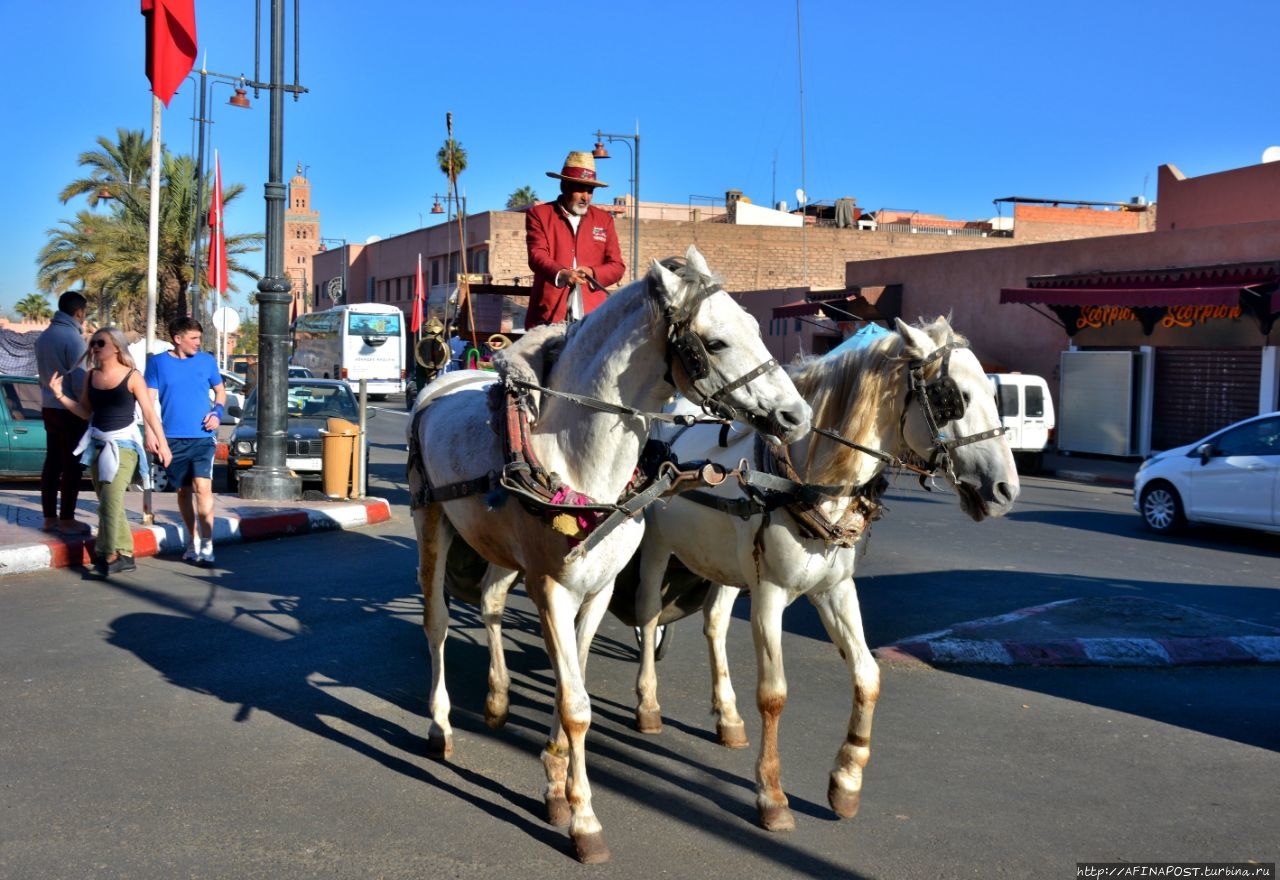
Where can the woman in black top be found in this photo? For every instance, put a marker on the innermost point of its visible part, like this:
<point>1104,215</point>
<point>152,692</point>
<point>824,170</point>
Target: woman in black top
<point>113,445</point>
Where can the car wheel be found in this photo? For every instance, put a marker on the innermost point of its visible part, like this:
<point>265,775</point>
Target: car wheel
<point>1162,508</point>
<point>159,479</point>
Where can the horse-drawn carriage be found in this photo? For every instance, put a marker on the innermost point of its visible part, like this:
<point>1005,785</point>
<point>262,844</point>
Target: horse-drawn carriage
<point>534,469</point>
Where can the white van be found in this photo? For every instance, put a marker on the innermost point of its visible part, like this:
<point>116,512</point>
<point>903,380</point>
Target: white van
<point>1026,410</point>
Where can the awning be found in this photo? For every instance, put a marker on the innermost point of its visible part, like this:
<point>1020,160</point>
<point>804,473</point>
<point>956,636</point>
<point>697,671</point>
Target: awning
<point>1134,297</point>
<point>849,308</point>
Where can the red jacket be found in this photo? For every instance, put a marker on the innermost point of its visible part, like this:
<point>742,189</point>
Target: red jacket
<point>552,247</point>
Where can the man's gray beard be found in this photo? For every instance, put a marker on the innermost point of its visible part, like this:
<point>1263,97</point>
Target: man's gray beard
<point>578,209</point>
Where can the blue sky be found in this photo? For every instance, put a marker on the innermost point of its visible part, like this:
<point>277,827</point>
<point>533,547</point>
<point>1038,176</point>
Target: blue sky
<point>930,106</point>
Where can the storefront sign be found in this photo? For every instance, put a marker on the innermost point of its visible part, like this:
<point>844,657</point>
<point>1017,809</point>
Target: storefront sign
<point>1175,316</point>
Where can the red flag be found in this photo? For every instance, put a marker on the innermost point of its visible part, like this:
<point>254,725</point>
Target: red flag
<point>419,300</point>
<point>217,275</point>
<point>171,44</point>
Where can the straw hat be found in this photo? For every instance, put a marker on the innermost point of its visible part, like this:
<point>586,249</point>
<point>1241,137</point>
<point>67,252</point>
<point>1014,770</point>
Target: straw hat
<point>579,168</point>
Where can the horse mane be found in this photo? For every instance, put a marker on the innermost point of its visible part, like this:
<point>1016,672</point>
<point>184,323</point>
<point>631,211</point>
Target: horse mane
<point>854,392</point>
<point>529,359</point>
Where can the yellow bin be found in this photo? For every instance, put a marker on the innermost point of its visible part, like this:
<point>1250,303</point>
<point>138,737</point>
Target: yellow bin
<point>338,457</point>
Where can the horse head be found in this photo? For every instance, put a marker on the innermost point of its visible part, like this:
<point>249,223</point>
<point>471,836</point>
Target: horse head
<point>951,419</point>
<point>716,356</point>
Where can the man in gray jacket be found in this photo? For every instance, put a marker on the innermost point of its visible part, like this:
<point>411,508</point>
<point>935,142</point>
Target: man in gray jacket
<point>60,349</point>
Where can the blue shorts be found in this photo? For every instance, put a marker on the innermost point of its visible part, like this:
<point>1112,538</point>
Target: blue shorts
<point>192,458</point>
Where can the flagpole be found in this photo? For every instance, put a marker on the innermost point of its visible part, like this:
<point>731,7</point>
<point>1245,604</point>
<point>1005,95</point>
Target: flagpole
<point>153,231</point>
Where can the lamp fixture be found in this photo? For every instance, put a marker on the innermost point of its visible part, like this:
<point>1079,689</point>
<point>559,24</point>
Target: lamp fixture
<point>437,208</point>
<point>600,152</point>
<point>240,99</point>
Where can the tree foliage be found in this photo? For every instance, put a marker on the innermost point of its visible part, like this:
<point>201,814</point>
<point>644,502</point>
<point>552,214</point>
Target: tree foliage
<point>522,197</point>
<point>452,158</point>
<point>104,248</point>
<point>34,307</point>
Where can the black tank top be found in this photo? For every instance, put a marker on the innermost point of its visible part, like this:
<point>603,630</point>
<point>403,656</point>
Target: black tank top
<point>112,407</point>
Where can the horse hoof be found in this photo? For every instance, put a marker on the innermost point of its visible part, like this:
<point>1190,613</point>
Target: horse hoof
<point>843,801</point>
<point>494,719</point>
<point>439,745</point>
<point>649,720</point>
<point>558,812</point>
<point>591,848</point>
<point>777,819</point>
<point>732,736</point>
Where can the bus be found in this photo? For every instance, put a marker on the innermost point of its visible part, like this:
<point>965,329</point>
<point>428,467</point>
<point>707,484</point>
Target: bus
<point>354,342</point>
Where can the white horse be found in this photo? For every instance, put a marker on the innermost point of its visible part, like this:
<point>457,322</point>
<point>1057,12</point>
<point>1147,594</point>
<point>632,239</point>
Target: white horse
<point>919,389</point>
<point>671,330</point>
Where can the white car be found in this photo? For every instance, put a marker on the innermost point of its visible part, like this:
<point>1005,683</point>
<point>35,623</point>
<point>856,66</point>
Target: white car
<point>1231,478</point>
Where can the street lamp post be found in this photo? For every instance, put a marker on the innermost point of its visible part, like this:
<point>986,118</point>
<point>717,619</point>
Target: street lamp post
<point>601,153</point>
<point>461,203</point>
<point>205,118</point>
<point>269,479</point>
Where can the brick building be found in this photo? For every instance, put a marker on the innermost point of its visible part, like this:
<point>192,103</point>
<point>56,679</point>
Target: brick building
<point>1174,328</point>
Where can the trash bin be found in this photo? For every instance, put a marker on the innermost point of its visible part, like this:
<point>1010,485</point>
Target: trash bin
<point>338,447</point>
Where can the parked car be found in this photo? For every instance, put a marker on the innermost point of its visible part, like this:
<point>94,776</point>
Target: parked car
<point>235,387</point>
<point>310,404</point>
<point>21,427</point>
<point>1231,477</point>
<point>1026,411</point>
<point>296,372</point>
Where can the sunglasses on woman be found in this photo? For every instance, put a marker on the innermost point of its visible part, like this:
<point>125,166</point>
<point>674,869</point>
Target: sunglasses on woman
<point>98,343</point>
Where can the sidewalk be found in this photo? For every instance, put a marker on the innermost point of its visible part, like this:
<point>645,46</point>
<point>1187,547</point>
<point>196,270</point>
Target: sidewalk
<point>25,548</point>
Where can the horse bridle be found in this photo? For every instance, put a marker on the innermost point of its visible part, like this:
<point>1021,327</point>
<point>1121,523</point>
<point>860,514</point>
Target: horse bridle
<point>694,357</point>
<point>941,402</point>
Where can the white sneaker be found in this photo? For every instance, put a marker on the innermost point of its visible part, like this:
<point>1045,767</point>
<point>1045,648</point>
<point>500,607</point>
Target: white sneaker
<point>205,557</point>
<point>190,554</point>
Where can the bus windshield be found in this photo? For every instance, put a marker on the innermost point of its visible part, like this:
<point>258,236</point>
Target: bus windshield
<point>354,342</point>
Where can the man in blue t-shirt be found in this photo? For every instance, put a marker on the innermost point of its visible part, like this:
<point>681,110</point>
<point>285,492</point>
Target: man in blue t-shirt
<point>180,381</point>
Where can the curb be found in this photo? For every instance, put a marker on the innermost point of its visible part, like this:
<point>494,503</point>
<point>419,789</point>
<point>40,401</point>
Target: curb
<point>962,645</point>
<point>157,540</point>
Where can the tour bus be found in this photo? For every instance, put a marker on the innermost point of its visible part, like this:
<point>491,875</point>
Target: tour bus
<point>354,342</point>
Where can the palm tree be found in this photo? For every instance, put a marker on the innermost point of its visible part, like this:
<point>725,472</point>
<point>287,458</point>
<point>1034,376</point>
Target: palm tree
<point>453,161</point>
<point>107,251</point>
<point>115,169</point>
<point>522,197</point>
<point>34,307</point>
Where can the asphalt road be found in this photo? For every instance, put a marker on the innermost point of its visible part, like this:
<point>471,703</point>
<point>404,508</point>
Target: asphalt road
<point>266,718</point>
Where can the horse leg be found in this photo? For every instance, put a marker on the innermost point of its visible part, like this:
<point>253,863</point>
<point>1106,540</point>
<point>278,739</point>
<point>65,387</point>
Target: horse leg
<point>838,609</point>
<point>717,611</point>
<point>493,601</point>
<point>434,538</point>
<point>558,610</point>
<point>767,604</point>
<point>653,568</point>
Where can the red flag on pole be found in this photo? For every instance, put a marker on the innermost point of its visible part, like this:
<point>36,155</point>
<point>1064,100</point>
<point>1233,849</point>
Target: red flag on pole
<point>217,275</point>
<point>171,44</point>
<point>419,300</point>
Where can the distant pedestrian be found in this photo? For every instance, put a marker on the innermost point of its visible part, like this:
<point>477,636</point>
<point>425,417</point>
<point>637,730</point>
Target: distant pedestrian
<point>573,247</point>
<point>180,381</point>
<point>59,349</point>
<point>113,393</point>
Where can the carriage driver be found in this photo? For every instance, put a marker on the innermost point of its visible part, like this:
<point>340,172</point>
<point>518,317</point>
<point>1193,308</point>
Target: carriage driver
<point>573,247</point>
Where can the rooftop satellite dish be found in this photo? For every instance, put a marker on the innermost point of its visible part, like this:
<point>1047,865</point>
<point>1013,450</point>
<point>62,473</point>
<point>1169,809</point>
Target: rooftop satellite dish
<point>800,196</point>
<point>373,238</point>
<point>1271,154</point>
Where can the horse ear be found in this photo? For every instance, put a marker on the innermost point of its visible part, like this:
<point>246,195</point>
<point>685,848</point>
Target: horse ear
<point>697,261</point>
<point>918,343</point>
<point>663,283</point>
